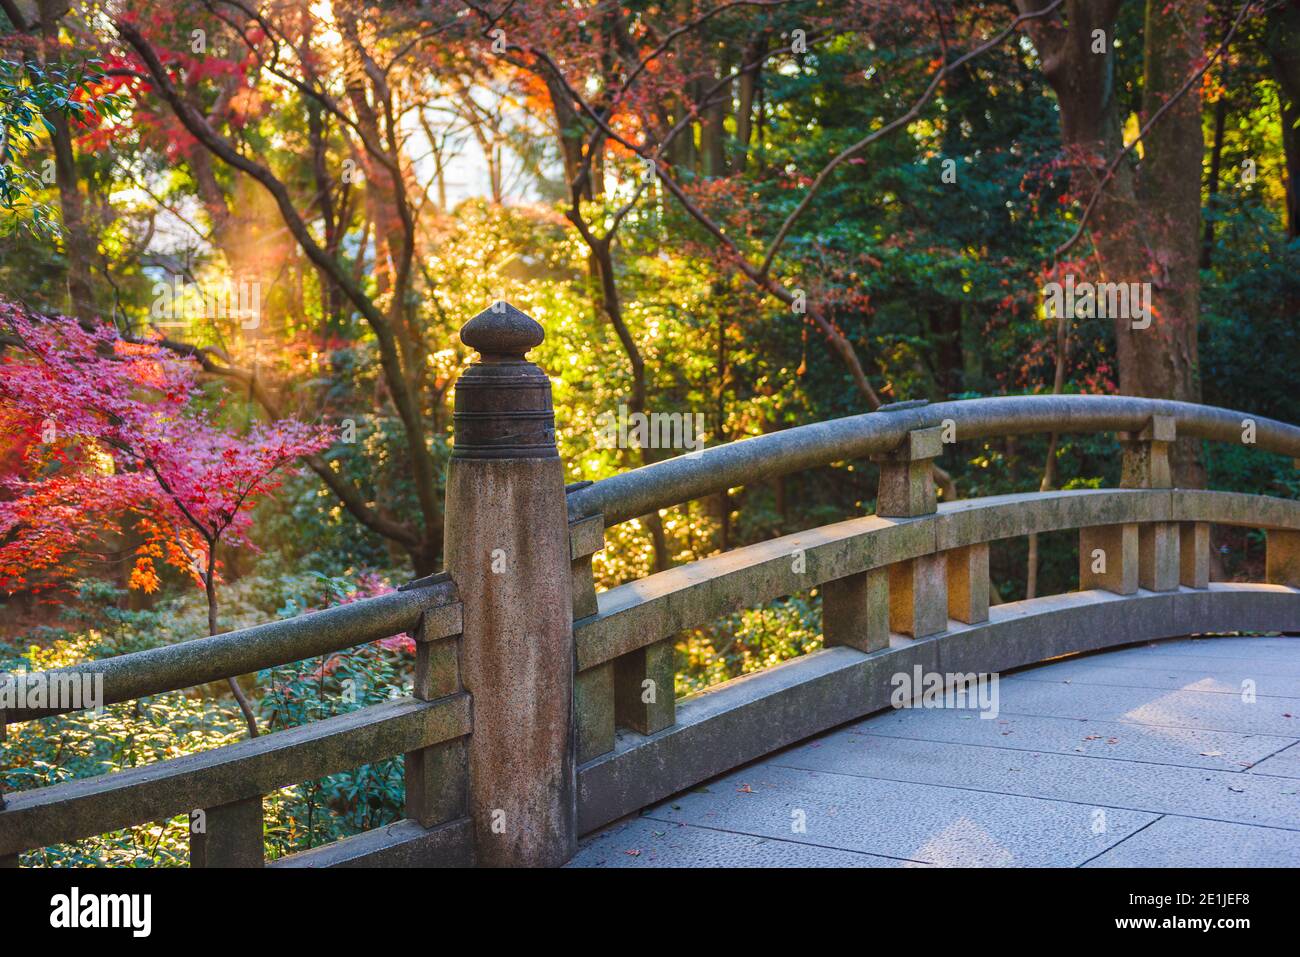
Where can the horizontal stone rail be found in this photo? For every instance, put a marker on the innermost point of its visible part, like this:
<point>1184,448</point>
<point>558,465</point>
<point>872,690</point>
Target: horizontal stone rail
<point>229,775</point>
<point>643,612</point>
<point>748,717</point>
<point>222,789</point>
<point>433,607</point>
<point>688,477</point>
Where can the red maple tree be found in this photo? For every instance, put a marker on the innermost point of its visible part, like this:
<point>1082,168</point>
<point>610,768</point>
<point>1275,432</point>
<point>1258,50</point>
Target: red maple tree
<point>108,429</point>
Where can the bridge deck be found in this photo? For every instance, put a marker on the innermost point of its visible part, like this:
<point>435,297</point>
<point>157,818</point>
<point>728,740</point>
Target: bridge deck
<point>1146,756</point>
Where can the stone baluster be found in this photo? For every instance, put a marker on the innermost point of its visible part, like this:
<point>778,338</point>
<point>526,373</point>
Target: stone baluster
<point>1282,557</point>
<point>437,776</point>
<point>228,835</point>
<point>1145,464</point>
<point>593,689</point>
<point>918,587</point>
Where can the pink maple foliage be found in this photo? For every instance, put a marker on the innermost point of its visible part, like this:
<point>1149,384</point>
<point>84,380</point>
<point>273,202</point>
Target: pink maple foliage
<point>113,429</point>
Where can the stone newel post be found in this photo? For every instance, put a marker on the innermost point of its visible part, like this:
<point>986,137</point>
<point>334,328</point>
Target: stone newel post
<point>507,549</point>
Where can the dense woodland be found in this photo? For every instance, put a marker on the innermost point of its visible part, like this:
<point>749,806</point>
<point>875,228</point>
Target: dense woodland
<point>237,240</point>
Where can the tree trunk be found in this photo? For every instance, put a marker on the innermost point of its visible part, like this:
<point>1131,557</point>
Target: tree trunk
<point>1283,42</point>
<point>1212,187</point>
<point>1145,227</point>
<point>78,249</point>
<point>210,590</point>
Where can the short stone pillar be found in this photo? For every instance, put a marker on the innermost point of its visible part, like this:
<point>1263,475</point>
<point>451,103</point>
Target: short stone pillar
<point>507,549</point>
<point>907,475</point>
<point>968,583</point>
<point>918,587</point>
<point>855,610</point>
<point>1108,558</point>
<point>1146,454</point>
<point>1146,465</point>
<point>1282,557</point>
<point>228,835</point>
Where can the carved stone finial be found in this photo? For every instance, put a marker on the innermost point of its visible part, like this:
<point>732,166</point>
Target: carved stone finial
<point>503,401</point>
<point>502,332</point>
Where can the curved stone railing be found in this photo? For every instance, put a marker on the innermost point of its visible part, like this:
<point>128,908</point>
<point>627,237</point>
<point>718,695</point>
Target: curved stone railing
<point>543,709</point>
<point>908,585</point>
<point>897,594</point>
<point>687,477</point>
<point>221,790</point>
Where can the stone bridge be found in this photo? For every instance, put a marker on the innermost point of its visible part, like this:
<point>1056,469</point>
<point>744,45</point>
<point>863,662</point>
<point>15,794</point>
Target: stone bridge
<point>542,717</point>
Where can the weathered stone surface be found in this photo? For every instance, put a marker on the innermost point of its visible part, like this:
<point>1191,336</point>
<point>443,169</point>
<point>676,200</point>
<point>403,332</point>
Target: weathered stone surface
<point>927,823</point>
<point>1146,454</point>
<point>437,669</point>
<point>1194,554</point>
<point>918,596</point>
<point>437,782</point>
<point>751,716</point>
<point>644,688</point>
<point>403,844</point>
<point>502,330</point>
<point>1235,508</point>
<point>509,550</point>
<point>662,605</point>
<point>684,478</point>
<point>907,476</point>
<point>1158,556</point>
<point>739,721</point>
<point>234,653</point>
<point>1284,764</point>
<point>516,654</point>
<point>647,842</point>
<point>586,536</point>
<point>1108,558</point>
<point>231,836</point>
<point>594,711</point>
<point>1176,841</point>
<point>89,806</point>
<point>1282,558</point>
<point>855,611</point>
<point>1122,739</point>
<point>971,521</point>
<point>584,588</point>
<point>968,584</point>
<point>1174,673</point>
<point>1084,783</point>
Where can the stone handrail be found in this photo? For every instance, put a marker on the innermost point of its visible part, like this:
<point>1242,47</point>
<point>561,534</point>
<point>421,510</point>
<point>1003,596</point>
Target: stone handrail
<point>432,607</point>
<point>687,477</point>
<point>543,709</point>
<point>222,789</point>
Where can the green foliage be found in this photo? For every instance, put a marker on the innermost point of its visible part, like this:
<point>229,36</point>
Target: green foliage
<point>30,95</point>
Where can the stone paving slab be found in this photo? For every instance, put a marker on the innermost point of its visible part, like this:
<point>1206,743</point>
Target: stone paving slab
<point>1219,680</point>
<point>1174,709</point>
<point>935,825</point>
<point>645,842</point>
<point>1143,757</point>
<point>1155,788</point>
<point>1187,842</point>
<point>1263,647</point>
<point>1135,659</point>
<point>1285,763</point>
<point>1113,740</point>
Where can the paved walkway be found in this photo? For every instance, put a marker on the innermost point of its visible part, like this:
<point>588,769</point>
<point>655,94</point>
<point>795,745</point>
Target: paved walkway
<point>1148,756</point>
